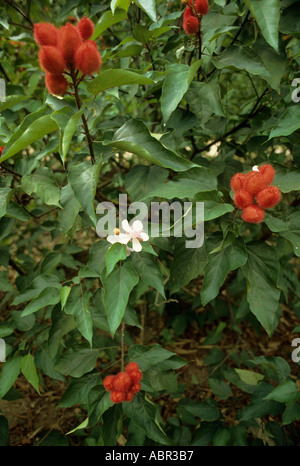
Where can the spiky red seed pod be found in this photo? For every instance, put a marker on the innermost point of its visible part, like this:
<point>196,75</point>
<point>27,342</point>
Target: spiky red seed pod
<point>135,387</point>
<point>108,383</point>
<point>242,198</point>
<point>238,181</point>
<point>1,150</point>
<point>136,376</point>
<point>69,40</point>
<point>87,58</point>
<point>45,34</point>
<point>56,84</point>
<point>86,28</point>
<point>129,396</point>
<point>267,172</point>
<point>117,397</point>
<point>188,12</point>
<point>132,366</point>
<point>253,214</point>
<point>190,25</point>
<point>51,59</point>
<point>254,182</point>
<point>202,7</point>
<point>122,382</point>
<point>268,197</point>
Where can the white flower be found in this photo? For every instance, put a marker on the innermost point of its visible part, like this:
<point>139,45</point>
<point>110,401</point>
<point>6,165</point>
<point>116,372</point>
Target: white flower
<point>134,234</point>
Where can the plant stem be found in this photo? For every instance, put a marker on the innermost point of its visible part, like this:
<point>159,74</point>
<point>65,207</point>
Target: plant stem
<point>84,120</point>
<point>122,344</point>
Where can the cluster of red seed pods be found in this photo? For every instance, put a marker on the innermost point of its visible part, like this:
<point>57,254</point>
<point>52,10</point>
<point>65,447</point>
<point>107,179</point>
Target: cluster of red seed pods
<point>192,14</point>
<point>125,384</point>
<point>255,186</point>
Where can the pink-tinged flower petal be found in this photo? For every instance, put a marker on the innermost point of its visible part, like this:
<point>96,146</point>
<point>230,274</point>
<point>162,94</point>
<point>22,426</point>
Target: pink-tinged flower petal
<point>137,226</point>
<point>124,238</point>
<point>137,247</point>
<point>126,227</point>
<point>111,239</point>
<point>144,236</point>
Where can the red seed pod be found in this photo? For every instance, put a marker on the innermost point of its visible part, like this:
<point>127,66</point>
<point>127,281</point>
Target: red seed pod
<point>1,150</point>
<point>190,25</point>
<point>86,28</point>
<point>87,58</point>
<point>242,199</point>
<point>45,34</point>
<point>122,382</point>
<point>238,181</point>
<point>117,397</point>
<point>135,387</point>
<point>108,383</point>
<point>202,7</point>
<point>254,182</point>
<point>56,84</point>
<point>129,396</point>
<point>267,172</point>
<point>132,366</point>
<point>188,12</point>
<point>51,59</point>
<point>268,197</point>
<point>253,214</point>
<point>136,376</point>
<point>69,41</point>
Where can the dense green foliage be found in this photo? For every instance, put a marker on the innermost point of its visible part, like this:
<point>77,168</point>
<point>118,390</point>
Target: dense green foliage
<point>168,122</point>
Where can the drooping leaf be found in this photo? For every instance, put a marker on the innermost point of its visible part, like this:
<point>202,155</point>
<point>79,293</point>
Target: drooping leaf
<point>116,78</point>
<point>267,15</point>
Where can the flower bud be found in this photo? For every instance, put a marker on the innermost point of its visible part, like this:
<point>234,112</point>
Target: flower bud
<point>45,34</point>
<point>51,59</point>
<point>87,58</point>
<point>86,28</point>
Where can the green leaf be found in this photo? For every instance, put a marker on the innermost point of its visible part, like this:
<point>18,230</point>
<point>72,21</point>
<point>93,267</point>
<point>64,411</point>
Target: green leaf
<point>147,356</point>
<point>48,297</point>
<point>69,132</point>
<point>64,294</point>
<point>143,414</point>
<point>77,362</point>
<point>259,406</point>
<point>135,137</point>
<point>35,288</point>
<point>4,431</point>
<point>287,179</point>
<point>116,78</point>
<point>5,195</point>
<point>149,271</point>
<point>77,305</point>
<point>5,284</point>
<point>261,272</point>
<point>29,371</point>
<point>148,6</point>
<point>218,266</point>
<point>115,253</point>
<point>219,388</point>
<point>70,209</point>
<point>284,393</point>
<point>175,85</point>
<point>206,410</point>
<point>124,4</point>
<point>97,256</point>
<point>249,377</point>
<point>43,184</point>
<point>204,100</point>
<point>117,287</point>
<point>83,179</point>
<point>288,123</point>
<point>291,413</point>
<point>267,14</point>
<point>222,437</point>
<point>9,373</point>
<point>107,20</point>
<point>241,58</point>
<point>34,127</point>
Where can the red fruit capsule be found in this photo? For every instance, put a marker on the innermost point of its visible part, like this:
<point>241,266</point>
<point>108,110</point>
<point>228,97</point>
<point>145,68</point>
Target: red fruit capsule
<point>87,58</point>
<point>242,199</point>
<point>238,181</point>
<point>45,34</point>
<point>136,376</point>
<point>51,59</point>
<point>122,382</point>
<point>117,397</point>
<point>69,40</point>
<point>132,366</point>
<point>135,387</point>
<point>253,214</point>
<point>56,84</point>
<point>190,23</point>
<point>267,172</point>
<point>202,7</point>
<point>1,150</point>
<point>268,197</point>
<point>86,28</point>
<point>108,383</point>
<point>129,396</point>
<point>254,182</point>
